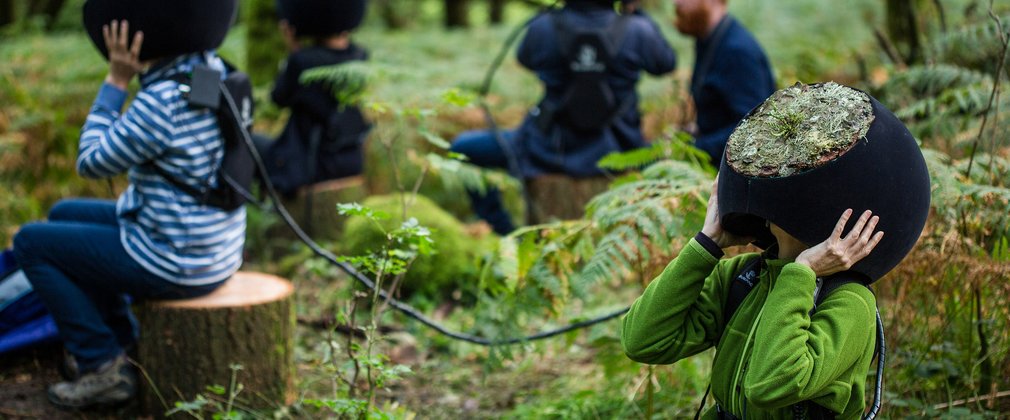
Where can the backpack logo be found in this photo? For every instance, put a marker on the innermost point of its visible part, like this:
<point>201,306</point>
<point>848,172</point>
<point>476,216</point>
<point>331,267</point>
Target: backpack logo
<point>586,61</point>
<point>748,277</point>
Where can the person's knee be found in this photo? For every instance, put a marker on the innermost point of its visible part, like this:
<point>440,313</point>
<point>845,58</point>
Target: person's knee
<point>25,242</point>
<point>459,144</point>
<point>67,209</point>
<point>61,209</point>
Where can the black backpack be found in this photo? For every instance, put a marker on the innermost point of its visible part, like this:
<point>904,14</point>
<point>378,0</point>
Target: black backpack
<point>588,103</point>
<point>232,101</point>
<point>744,282</point>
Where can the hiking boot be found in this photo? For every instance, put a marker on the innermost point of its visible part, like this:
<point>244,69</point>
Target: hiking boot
<point>68,367</point>
<point>114,382</point>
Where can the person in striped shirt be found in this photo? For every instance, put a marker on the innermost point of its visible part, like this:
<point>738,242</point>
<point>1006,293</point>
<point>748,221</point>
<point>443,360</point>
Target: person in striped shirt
<point>154,242</point>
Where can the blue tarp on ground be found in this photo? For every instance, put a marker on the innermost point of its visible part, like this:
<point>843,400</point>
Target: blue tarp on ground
<point>23,318</point>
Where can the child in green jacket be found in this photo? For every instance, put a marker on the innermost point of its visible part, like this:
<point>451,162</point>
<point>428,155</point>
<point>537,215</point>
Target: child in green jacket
<point>771,354</point>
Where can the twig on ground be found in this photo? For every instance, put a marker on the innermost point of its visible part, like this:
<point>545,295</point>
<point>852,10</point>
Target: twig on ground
<point>995,396</point>
<point>329,323</point>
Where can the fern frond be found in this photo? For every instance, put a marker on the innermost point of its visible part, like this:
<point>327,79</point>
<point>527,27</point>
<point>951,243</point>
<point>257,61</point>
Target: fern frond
<point>346,81</point>
<point>976,46</point>
<point>457,175</point>
<point>924,81</point>
<point>673,146</point>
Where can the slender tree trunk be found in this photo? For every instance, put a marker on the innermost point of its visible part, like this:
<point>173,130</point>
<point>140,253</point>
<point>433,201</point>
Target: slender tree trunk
<point>391,16</point>
<point>456,13</point>
<point>903,28</point>
<point>497,11</point>
<point>6,12</point>
<point>51,10</point>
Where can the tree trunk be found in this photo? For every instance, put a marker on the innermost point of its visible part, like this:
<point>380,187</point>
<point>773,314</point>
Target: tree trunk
<point>497,11</point>
<point>6,12</point>
<point>903,28</point>
<point>264,46</point>
<point>559,197</point>
<point>457,13</point>
<point>188,345</point>
<point>392,17</point>
<point>48,8</point>
<point>315,208</point>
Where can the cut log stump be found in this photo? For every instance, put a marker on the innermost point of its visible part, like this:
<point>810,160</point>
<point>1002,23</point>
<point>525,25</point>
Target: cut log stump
<point>560,197</point>
<point>315,207</point>
<point>188,345</point>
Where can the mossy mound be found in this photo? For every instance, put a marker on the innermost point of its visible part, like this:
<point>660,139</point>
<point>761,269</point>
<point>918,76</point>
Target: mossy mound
<point>799,128</point>
<point>457,256</point>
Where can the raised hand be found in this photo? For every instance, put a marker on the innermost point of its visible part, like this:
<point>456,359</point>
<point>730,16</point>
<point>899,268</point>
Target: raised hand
<point>713,227</point>
<point>124,57</point>
<point>839,254</point>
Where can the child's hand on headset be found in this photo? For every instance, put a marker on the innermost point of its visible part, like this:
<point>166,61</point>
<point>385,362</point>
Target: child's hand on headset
<point>124,57</point>
<point>839,254</point>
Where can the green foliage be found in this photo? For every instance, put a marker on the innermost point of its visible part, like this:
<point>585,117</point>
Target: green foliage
<point>944,100</point>
<point>977,209</point>
<point>454,258</point>
<point>264,47</point>
<point>974,46</point>
<point>218,403</point>
<point>458,176</point>
<point>346,81</point>
<point>674,145</point>
<point>630,231</point>
<point>654,213</point>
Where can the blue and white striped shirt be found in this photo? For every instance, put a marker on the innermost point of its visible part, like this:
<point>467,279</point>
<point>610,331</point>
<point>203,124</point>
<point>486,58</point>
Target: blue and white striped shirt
<point>164,229</point>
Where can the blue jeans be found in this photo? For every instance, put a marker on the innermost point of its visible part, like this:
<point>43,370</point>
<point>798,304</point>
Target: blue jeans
<point>79,268</point>
<point>483,150</point>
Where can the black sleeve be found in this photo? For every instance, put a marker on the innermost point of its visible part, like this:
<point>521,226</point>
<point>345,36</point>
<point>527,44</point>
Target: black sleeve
<point>286,85</point>
<point>709,245</point>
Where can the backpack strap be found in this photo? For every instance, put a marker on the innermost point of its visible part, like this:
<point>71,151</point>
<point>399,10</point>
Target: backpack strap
<point>745,280</point>
<point>235,169</point>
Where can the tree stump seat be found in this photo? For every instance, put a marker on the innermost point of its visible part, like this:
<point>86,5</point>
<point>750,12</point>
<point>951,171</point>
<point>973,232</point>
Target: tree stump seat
<point>315,206</point>
<point>187,345</point>
<point>561,197</point>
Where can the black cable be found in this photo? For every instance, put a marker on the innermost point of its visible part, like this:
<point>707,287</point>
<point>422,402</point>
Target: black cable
<point>400,306</point>
<point>879,380</point>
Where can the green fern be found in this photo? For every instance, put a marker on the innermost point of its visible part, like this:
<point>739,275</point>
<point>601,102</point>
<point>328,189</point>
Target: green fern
<point>347,81</point>
<point>651,214</point>
<point>976,47</point>
<point>459,175</point>
<point>920,81</point>
<point>673,145</point>
<point>978,208</point>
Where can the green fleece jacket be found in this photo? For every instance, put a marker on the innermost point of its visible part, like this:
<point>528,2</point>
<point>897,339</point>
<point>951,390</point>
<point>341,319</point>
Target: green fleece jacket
<point>771,353</point>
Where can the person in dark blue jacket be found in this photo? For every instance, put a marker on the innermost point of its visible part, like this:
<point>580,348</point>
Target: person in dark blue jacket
<point>323,138</point>
<point>731,72</point>
<point>545,142</point>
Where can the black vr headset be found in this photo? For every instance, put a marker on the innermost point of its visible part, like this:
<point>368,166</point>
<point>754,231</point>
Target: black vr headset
<point>883,172</point>
<point>171,27</point>
<point>322,17</point>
